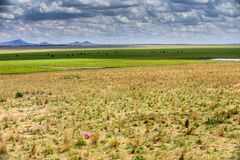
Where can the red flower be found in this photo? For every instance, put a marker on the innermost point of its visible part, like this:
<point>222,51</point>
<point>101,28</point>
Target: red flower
<point>87,135</point>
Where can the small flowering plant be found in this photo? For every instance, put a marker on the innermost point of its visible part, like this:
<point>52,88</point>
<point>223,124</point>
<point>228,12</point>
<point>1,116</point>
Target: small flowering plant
<point>87,135</point>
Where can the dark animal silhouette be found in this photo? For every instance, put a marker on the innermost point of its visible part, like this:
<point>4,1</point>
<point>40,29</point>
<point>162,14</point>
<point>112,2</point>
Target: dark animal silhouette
<point>187,123</point>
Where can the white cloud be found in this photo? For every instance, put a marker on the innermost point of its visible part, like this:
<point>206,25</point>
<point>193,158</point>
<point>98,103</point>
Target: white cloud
<point>122,20</point>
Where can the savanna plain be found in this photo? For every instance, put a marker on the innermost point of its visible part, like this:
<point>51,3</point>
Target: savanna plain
<point>141,104</point>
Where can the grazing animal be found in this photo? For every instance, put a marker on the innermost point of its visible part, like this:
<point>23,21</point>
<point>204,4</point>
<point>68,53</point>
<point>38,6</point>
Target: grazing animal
<point>187,123</point>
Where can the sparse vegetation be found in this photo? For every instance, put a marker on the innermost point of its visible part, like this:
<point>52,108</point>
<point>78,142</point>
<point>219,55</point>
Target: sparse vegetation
<point>71,77</point>
<point>2,99</point>
<point>80,142</point>
<point>18,95</point>
<point>164,112</point>
<point>3,146</point>
<point>48,151</point>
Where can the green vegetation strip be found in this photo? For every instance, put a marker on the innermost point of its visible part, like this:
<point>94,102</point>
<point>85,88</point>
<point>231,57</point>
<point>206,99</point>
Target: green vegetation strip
<point>30,61</point>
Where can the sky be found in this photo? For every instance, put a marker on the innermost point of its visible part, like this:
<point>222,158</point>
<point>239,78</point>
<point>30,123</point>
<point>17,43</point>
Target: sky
<point>121,21</point>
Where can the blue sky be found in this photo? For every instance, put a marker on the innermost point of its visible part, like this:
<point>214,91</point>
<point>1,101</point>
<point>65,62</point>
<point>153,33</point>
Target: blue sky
<point>121,21</point>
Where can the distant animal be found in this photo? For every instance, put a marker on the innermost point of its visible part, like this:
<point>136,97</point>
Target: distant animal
<point>187,123</point>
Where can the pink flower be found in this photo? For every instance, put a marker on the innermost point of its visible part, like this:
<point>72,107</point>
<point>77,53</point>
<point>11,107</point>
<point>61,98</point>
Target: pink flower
<point>87,135</point>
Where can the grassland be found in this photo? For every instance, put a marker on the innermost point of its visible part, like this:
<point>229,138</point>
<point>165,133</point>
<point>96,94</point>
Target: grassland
<point>30,61</point>
<point>139,113</point>
<point>146,103</point>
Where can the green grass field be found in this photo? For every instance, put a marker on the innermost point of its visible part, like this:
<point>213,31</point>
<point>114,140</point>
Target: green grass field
<point>30,61</point>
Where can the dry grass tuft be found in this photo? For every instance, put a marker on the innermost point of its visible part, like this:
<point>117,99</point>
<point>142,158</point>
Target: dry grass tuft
<point>3,146</point>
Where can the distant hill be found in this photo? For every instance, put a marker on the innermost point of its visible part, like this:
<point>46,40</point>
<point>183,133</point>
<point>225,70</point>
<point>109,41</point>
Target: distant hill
<point>20,42</point>
<point>77,43</point>
<point>45,44</point>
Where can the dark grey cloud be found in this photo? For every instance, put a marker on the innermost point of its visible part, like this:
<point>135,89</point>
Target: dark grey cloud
<point>238,2</point>
<point>4,2</point>
<point>38,16</point>
<point>191,2</point>
<point>91,6</point>
<point>4,5</point>
<point>75,9</point>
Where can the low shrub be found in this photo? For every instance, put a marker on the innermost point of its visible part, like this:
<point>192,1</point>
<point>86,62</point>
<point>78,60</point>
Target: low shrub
<point>222,116</point>
<point>2,99</point>
<point>139,158</point>
<point>80,143</point>
<point>18,95</point>
<point>48,151</point>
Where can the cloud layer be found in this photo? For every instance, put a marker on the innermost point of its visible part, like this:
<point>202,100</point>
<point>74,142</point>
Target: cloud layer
<point>122,21</point>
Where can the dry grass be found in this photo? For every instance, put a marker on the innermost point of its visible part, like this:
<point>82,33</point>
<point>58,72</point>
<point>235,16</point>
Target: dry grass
<point>166,112</point>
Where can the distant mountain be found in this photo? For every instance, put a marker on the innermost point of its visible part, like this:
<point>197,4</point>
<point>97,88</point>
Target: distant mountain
<point>77,43</point>
<point>85,43</point>
<point>20,42</point>
<point>45,44</point>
